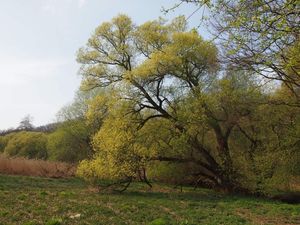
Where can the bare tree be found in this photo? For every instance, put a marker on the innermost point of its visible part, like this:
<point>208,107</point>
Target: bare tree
<point>26,123</point>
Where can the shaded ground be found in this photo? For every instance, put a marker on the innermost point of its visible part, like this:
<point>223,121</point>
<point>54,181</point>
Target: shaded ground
<point>30,201</point>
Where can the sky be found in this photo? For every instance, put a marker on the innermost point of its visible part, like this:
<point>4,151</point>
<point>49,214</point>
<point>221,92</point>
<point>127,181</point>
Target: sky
<point>38,44</point>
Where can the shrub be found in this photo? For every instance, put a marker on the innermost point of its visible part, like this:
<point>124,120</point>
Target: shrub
<point>4,141</point>
<point>30,145</point>
<point>70,142</point>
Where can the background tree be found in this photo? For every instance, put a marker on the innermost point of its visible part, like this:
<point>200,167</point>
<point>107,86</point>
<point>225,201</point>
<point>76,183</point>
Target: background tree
<point>71,141</point>
<point>26,123</point>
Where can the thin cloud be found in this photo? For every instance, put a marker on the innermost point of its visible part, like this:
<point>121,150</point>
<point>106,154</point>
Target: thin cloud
<point>53,6</point>
<point>18,72</point>
<point>81,3</point>
<point>35,87</point>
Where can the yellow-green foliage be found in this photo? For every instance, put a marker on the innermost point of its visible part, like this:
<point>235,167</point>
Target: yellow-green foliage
<point>292,66</point>
<point>31,145</point>
<point>122,148</point>
<point>166,104</point>
<point>117,153</point>
<point>183,48</point>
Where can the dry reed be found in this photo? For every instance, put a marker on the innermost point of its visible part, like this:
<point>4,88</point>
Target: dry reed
<point>29,167</point>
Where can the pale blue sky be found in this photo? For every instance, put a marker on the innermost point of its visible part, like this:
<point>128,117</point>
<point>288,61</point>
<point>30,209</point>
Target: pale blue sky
<point>38,44</point>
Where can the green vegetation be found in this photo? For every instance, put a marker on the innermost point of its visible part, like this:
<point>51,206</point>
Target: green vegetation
<point>26,144</point>
<point>4,140</point>
<point>70,142</point>
<point>27,200</point>
<point>67,141</point>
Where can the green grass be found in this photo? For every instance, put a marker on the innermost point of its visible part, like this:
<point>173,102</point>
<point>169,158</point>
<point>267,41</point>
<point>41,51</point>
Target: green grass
<point>32,201</point>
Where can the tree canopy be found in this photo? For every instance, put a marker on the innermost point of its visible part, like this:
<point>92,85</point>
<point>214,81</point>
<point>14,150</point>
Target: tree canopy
<point>260,36</point>
<point>167,102</point>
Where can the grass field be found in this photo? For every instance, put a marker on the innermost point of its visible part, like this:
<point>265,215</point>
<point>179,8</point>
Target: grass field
<point>30,201</point>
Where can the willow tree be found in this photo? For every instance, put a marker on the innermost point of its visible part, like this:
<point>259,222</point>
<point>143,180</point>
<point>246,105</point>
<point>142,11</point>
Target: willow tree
<point>258,35</point>
<point>160,75</point>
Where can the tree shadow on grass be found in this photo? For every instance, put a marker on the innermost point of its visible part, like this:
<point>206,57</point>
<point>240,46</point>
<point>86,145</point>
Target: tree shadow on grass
<point>178,196</point>
<point>12,182</point>
<point>199,195</point>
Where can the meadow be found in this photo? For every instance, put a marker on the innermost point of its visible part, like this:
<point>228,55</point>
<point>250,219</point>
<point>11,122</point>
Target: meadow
<point>34,200</point>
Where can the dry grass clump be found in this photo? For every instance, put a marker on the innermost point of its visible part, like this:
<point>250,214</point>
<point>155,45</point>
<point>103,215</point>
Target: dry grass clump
<point>41,168</point>
<point>295,184</point>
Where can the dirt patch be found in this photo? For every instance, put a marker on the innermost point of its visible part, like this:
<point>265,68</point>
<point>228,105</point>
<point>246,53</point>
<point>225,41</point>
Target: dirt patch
<point>264,220</point>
